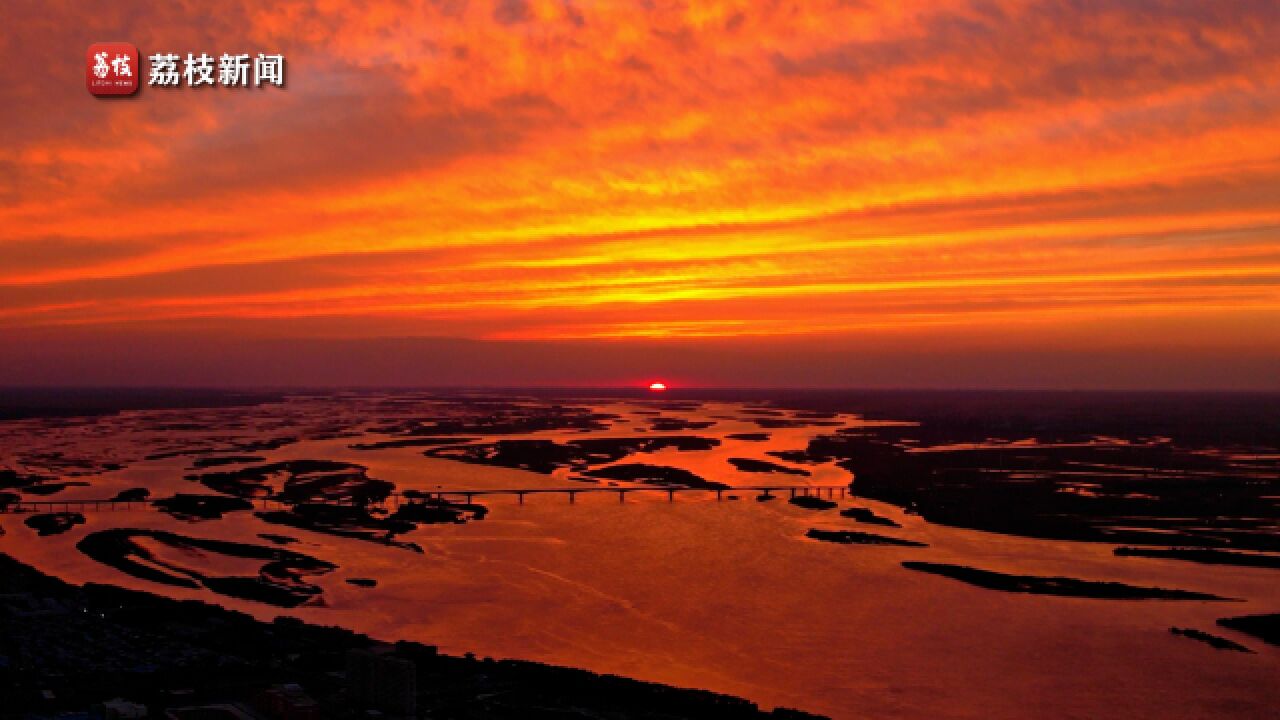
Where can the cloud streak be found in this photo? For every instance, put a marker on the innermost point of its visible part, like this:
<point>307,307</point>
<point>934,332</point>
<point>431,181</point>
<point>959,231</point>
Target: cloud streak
<point>547,170</point>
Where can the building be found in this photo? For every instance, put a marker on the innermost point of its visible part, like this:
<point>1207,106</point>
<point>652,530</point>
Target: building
<point>289,702</point>
<point>382,682</point>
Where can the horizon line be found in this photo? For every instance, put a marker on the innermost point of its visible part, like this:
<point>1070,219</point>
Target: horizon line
<point>640,388</point>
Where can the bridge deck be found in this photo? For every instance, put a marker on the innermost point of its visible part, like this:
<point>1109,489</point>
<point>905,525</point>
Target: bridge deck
<point>468,495</point>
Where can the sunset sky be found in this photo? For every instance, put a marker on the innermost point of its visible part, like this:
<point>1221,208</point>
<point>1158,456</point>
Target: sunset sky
<point>989,193</point>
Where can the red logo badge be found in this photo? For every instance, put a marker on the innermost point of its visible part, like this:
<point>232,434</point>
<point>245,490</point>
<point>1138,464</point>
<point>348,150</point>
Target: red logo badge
<point>112,69</point>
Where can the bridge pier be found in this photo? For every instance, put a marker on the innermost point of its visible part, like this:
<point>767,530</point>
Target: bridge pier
<point>622,496</point>
<point>719,495</point>
<point>671,496</point>
<point>520,495</point>
<point>572,495</point>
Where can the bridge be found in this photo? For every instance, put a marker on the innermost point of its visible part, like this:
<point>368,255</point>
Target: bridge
<point>466,495</point>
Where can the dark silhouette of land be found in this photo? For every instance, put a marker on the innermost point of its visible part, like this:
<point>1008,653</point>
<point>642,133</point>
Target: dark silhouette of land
<point>1206,556</point>
<point>854,537</point>
<point>547,456</point>
<point>1214,641</point>
<point>810,502</point>
<point>764,466</point>
<point>281,580</point>
<point>1263,627</point>
<point>1064,586</point>
<point>54,523</point>
<point>867,516</point>
<point>1162,469</point>
<point>655,474</point>
<point>69,648</point>
<point>191,507</point>
<point>31,402</point>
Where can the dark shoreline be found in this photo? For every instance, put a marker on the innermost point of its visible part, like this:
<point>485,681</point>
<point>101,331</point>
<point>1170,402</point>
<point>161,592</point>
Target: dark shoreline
<point>1057,585</point>
<point>22,403</point>
<point>112,642</point>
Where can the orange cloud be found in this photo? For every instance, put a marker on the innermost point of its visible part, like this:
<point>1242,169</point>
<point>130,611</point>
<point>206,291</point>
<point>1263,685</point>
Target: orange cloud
<point>542,169</point>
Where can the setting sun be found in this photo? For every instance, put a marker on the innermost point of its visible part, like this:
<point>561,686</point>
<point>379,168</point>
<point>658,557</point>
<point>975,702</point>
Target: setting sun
<point>657,386</point>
